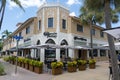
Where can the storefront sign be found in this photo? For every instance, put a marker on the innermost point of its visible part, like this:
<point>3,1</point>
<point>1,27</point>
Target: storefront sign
<point>48,34</point>
<point>80,38</point>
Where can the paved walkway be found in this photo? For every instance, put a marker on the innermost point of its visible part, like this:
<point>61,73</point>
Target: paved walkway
<point>100,73</point>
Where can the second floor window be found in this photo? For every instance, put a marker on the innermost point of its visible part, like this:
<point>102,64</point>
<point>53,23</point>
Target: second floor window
<point>39,24</point>
<point>20,33</point>
<point>101,34</point>
<point>79,28</point>
<point>28,30</point>
<point>50,22</point>
<point>63,23</point>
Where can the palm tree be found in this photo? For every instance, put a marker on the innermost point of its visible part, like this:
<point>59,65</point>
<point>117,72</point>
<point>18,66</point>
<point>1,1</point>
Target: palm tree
<point>2,8</point>
<point>105,5</point>
<point>6,34</point>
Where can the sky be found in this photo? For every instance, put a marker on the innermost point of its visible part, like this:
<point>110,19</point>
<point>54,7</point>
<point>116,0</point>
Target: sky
<point>14,14</point>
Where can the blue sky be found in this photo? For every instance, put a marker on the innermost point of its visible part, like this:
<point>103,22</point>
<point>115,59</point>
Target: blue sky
<point>14,14</point>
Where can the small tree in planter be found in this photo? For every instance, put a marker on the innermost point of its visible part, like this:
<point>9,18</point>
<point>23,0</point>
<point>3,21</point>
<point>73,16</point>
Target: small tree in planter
<point>6,59</point>
<point>38,66</point>
<point>56,68</point>
<point>20,60</point>
<point>26,61</point>
<point>92,63</point>
<point>82,64</point>
<point>31,65</point>
<point>12,59</point>
<point>72,66</point>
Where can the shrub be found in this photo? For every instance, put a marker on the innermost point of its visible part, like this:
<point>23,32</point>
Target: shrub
<point>26,60</point>
<point>31,62</point>
<point>20,59</point>
<point>6,59</point>
<point>82,62</point>
<point>92,61</point>
<point>56,65</point>
<point>38,64</point>
<point>72,64</point>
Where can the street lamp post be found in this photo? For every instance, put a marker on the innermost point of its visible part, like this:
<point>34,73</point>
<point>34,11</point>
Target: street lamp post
<point>92,22</point>
<point>17,38</point>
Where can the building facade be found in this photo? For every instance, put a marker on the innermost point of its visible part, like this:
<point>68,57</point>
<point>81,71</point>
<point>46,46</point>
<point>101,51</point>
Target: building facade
<point>53,25</point>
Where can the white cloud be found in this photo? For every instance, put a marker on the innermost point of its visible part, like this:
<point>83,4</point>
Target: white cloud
<point>27,3</point>
<point>72,14</point>
<point>71,2</point>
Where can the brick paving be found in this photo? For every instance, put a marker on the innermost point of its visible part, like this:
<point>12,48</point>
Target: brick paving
<point>100,73</point>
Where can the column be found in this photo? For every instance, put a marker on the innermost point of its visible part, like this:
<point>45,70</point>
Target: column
<point>42,55</point>
<point>22,53</point>
<point>99,53</point>
<point>88,54</point>
<point>58,54</point>
<point>71,53</point>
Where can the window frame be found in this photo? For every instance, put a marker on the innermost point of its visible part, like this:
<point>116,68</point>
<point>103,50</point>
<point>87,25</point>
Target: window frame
<point>80,28</point>
<point>50,24</point>
<point>64,26</point>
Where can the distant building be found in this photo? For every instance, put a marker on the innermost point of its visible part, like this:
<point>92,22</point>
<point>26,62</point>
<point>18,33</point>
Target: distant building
<point>53,25</point>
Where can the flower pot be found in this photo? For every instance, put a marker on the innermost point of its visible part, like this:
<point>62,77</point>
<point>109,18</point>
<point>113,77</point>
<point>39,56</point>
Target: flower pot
<point>72,69</point>
<point>26,66</point>
<point>82,67</point>
<point>37,69</point>
<point>92,66</point>
<point>23,65</point>
<point>31,67</point>
<point>57,71</point>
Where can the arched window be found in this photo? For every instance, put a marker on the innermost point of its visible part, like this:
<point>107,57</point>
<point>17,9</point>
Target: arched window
<point>50,41</point>
<point>38,42</point>
<point>64,42</point>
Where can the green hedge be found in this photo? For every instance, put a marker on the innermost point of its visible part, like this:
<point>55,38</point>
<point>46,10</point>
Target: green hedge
<point>1,69</point>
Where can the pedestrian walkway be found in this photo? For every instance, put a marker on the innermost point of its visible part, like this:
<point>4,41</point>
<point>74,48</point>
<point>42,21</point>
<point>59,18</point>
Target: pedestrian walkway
<point>100,73</point>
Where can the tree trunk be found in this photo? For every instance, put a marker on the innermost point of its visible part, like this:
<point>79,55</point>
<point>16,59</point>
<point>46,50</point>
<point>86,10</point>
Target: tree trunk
<point>113,55</point>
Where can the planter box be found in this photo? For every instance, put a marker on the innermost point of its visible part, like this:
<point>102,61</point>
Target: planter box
<point>31,67</point>
<point>13,62</point>
<point>23,65</point>
<point>26,66</point>
<point>57,71</point>
<point>82,67</point>
<point>92,66</point>
<point>72,69</point>
<point>19,64</point>
<point>37,69</point>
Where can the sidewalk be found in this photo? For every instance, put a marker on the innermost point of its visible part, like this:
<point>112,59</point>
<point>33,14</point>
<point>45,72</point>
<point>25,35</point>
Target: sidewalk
<point>100,73</point>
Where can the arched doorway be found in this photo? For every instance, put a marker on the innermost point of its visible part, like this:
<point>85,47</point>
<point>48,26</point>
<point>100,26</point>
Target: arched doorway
<point>50,53</point>
<point>63,51</point>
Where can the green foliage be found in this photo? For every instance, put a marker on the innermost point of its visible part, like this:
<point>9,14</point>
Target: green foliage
<point>31,62</point>
<point>12,58</point>
<point>26,60</point>
<point>1,69</point>
<point>81,62</point>
<point>6,59</point>
<point>56,65</point>
<point>72,64</point>
<point>38,64</point>
<point>92,61</point>
<point>20,59</point>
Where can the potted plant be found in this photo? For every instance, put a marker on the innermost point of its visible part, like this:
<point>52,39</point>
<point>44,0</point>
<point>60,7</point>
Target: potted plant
<point>26,61</point>
<point>31,65</point>
<point>38,66</point>
<point>12,59</point>
<point>56,68</point>
<point>6,59</point>
<point>20,60</point>
<point>81,65</point>
<point>92,63</point>
<point>72,66</point>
